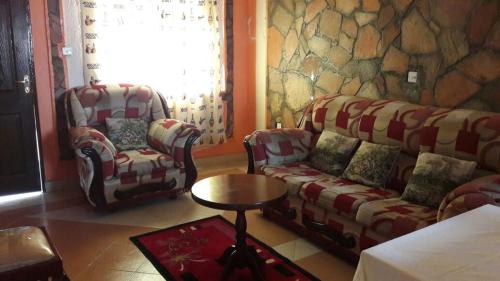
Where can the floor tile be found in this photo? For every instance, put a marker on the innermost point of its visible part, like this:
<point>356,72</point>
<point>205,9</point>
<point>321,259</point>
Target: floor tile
<point>147,267</point>
<point>297,249</point>
<point>327,267</point>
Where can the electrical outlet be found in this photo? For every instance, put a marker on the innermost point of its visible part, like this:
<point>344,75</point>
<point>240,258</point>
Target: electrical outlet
<point>412,76</point>
<point>67,51</point>
<point>278,124</point>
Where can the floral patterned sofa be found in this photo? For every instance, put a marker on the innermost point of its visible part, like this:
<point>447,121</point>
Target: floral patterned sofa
<point>110,177</point>
<point>347,217</point>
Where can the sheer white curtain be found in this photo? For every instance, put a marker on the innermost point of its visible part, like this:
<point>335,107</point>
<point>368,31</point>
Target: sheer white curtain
<point>176,46</point>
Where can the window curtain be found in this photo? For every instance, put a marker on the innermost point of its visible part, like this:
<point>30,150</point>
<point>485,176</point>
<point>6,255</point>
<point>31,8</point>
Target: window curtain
<point>182,48</point>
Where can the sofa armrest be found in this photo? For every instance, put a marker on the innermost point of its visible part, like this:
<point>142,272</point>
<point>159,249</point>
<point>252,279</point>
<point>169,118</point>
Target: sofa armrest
<point>469,196</point>
<point>90,138</point>
<point>174,138</point>
<point>276,147</point>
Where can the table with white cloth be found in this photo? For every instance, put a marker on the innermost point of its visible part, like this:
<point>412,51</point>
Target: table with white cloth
<point>465,247</point>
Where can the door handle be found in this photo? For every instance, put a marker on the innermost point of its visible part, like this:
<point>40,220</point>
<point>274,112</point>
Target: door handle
<point>26,83</point>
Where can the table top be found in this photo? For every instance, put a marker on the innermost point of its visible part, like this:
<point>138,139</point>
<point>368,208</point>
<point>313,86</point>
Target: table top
<point>238,191</point>
<point>465,247</point>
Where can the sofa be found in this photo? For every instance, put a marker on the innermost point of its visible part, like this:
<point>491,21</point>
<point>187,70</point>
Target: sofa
<point>110,177</point>
<point>347,217</point>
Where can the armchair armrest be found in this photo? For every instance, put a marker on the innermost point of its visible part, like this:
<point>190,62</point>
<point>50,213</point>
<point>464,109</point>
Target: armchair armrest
<point>174,138</point>
<point>276,147</point>
<point>469,196</point>
<point>85,138</point>
<point>89,138</point>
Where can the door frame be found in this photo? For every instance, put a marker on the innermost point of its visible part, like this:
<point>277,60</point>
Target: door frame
<point>34,93</point>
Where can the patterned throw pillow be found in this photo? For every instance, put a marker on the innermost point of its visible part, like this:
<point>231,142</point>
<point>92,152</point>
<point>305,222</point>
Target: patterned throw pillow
<point>372,164</point>
<point>333,152</point>
<point>127,133</point>
<point>434,176</point>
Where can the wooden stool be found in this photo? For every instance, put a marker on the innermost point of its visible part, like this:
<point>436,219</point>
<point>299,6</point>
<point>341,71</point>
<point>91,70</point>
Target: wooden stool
<point>26,254</point>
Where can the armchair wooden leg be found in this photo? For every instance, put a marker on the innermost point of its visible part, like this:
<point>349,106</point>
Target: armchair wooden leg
<point>64,277</point>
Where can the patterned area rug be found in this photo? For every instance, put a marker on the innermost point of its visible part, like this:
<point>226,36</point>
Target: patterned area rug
<point>189,252</point>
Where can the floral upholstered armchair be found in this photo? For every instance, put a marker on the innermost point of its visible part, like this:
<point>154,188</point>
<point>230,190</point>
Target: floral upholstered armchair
<point>112,172</point>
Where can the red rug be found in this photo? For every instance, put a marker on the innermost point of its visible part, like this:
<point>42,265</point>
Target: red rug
<point>188,252</point>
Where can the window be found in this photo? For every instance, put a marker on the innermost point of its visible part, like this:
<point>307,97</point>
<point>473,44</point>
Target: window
<point>179,47</point>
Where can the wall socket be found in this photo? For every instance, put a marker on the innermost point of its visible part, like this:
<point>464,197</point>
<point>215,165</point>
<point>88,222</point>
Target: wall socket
<point>412,76</point>
<point>67,51</point>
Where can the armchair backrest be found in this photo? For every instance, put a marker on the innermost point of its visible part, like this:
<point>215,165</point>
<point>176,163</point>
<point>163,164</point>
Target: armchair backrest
<point>91,105</point>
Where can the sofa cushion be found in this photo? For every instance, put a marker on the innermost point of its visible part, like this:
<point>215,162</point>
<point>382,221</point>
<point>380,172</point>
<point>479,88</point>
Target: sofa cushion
<point>372,164</point>
<point>434,176</point>
<point>395,217</point>
<point>333,152</point>
<point>127,133</point>
<point>295,175</point>
<point>341,195</point>
<point>133,163</point>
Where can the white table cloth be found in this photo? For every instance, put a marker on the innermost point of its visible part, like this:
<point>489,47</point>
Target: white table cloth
<point>465,247</point>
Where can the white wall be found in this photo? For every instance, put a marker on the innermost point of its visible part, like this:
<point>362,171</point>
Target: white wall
<point>261,63</point>
<point>73,39</point>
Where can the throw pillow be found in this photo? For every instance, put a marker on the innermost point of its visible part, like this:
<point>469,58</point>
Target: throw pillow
<point>127,133</point>
<point>372,164</point>
<point>434,176</point>
<point>333,152</point>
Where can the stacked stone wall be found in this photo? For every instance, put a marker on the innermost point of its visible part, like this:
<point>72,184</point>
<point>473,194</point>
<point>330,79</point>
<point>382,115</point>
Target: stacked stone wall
<point>367,47</point>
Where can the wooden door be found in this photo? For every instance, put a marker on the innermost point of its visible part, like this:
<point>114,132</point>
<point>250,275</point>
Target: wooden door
<point>19,161</point>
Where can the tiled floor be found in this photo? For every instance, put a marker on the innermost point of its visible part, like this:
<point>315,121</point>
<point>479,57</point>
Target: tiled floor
<point>95,246</point>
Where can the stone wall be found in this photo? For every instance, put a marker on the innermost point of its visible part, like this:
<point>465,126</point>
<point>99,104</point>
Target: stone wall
<point>56,43</point>
<point>367,47</point>
<point>59,75</point>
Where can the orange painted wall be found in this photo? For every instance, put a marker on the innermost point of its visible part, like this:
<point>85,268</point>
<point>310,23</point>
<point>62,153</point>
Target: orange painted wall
<point>55,170</point>
<point>244,80</point>
<point>244,88</point>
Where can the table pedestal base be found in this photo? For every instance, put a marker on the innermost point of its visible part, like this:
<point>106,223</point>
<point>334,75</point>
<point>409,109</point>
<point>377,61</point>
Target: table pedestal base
<point>241,255</point>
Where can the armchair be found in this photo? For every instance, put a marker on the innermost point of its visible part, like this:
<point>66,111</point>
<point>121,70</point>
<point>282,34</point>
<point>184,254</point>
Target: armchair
<point>110,177</point>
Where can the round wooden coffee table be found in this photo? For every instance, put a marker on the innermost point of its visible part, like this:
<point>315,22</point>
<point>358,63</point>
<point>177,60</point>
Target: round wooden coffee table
<point>239,193</point>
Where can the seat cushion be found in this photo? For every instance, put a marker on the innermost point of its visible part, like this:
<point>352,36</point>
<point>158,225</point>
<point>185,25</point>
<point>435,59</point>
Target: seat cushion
<point>22,247</point>
<point>341,195</point>
<point>395,217</point>
<point>294,174</point>
<point>133,163</point>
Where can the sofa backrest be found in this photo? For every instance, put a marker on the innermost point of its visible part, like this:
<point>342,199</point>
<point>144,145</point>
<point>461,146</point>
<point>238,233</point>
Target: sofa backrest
<point>460,133</point>
<point>339,114</point>
<point>464,134</point>
<point>91,105</point>
<point>394,123</point>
